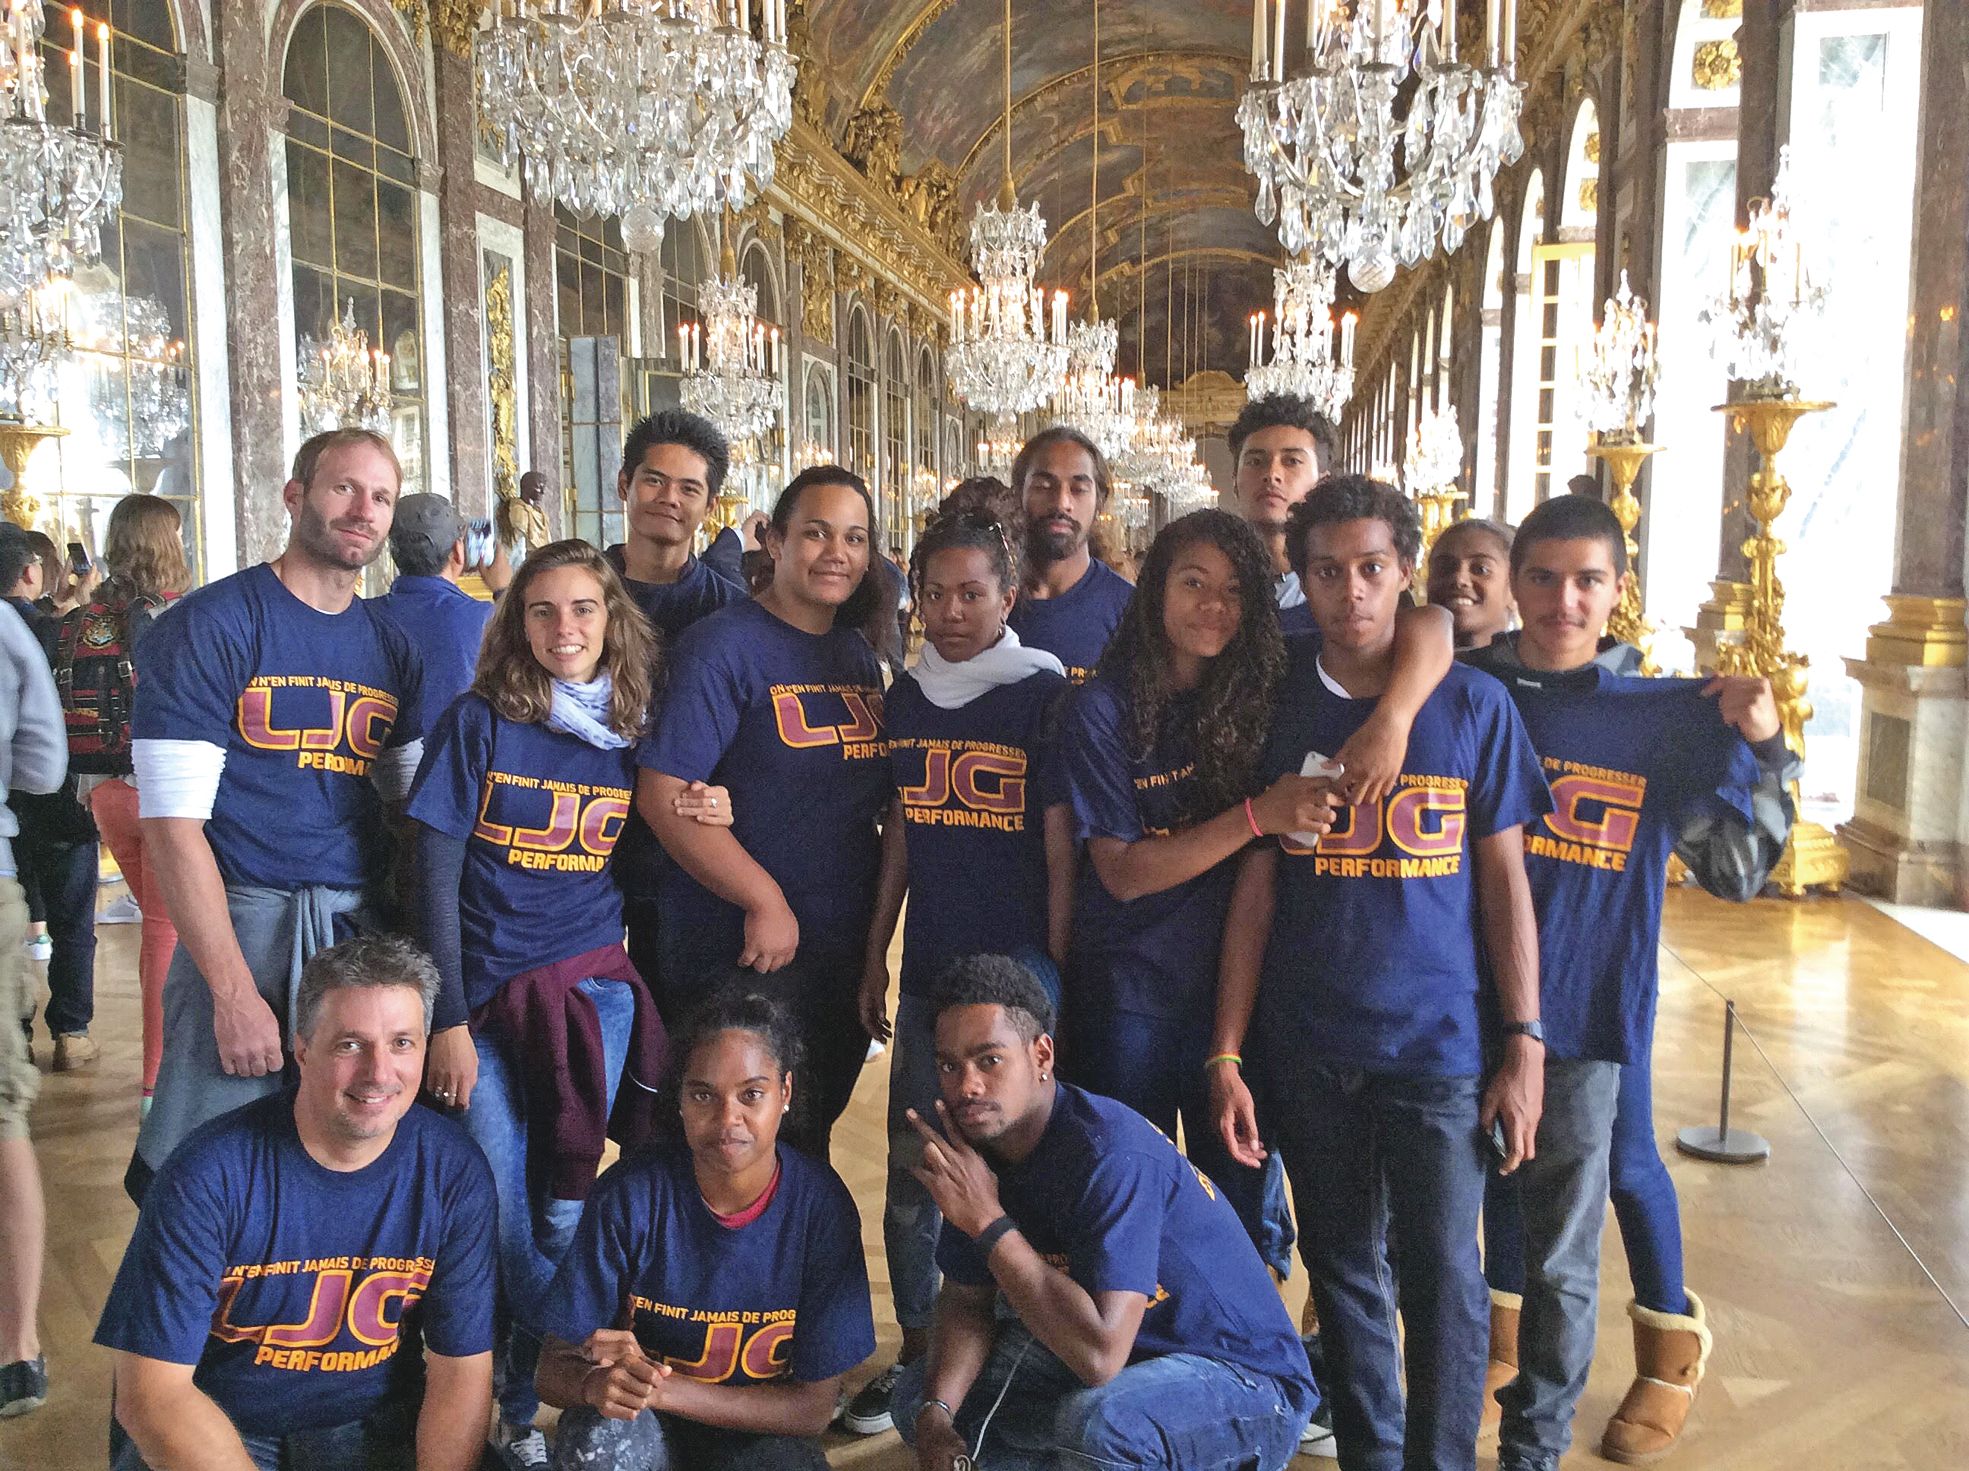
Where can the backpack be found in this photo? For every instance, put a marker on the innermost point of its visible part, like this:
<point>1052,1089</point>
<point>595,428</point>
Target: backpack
<point>97,682</point>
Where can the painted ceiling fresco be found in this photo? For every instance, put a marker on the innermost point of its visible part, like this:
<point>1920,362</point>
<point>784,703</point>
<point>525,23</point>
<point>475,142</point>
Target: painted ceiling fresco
<point>1173,189</point>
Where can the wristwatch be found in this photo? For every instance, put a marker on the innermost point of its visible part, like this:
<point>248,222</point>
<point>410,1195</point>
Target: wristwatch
<point>1534,1029</point>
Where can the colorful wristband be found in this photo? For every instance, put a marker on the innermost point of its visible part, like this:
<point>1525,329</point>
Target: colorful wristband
<point>1252,818</point>
<point>1217,1057</point>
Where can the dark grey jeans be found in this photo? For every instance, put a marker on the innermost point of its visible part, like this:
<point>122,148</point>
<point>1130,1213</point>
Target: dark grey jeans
<point>586,1441</point>
<point>1563,1192</point>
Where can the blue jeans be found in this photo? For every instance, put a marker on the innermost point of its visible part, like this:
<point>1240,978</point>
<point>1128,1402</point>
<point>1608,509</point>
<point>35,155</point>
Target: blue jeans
<point>910,1220</point>
<point>65,876</point>
<point>1373,1156</point>
<point>385,1442</point>
<point>1563,1191</point>
<point>1644,1205</point>
<point>1179,1411</point>
<point>585,1441</point>
<point>1155,1065</point>
<point>533,1233</point>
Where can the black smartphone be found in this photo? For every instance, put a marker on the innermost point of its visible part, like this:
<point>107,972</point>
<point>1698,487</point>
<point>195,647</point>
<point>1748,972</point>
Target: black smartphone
<point>1498,1146</point>
<point>78,559</point>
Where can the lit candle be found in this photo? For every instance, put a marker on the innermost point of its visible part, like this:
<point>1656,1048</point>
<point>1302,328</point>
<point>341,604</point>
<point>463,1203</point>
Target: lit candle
<point>779,354</point>
<point>1258,71</point>
<point>1491,35</point>
<point>1348,324</point>
<point>1251,342</point>
<point>697,347</point>
<point>1278,40</point>
<point>745,16</point>
<point>1059,316</point>
<point>683,345</point>
<point>76,96</point>
<point>1511,34</point>
<point>102,74</point>
<point>1449,29</point>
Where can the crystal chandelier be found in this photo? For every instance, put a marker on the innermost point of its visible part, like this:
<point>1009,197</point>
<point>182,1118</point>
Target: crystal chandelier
<point>139,389</point>
<point>1158,449</point>
<point>1619,374</point>
<point>1323,144</point>
<point>1435,454</point>
<point>34,341</point>
<point>999,448</point>
<point>1005,357</point>
<point>1303,362</point>
<point>59,182</point>
<point>735,364</point>
<point>1192,491</point>
<point>345,384</point>
<point>645,109</point>
<point>1763,325</point>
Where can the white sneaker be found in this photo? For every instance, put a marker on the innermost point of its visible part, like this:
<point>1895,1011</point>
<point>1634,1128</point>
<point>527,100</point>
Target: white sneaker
<point>519,1447</point>
<point>121,910</point>
<point>40,948</point>
<point>1317,1438</point>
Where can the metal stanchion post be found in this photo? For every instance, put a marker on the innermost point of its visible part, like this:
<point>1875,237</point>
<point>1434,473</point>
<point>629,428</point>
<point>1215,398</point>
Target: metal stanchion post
<point>1722,1144</point>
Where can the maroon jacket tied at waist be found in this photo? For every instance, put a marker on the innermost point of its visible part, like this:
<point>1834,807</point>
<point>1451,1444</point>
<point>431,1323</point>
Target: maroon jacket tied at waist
<point>555,1039</point>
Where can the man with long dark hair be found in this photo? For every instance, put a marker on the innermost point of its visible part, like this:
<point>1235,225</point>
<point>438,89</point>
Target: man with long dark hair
<point>1071,602</point>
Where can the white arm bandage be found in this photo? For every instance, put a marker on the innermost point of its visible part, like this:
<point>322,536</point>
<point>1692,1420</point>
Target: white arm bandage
<point>177,778</point>
<point>397,768</point>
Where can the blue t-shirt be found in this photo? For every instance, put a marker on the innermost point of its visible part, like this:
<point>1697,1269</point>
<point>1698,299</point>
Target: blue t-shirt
<point>791,723</point>
<point>975,784</point>
<point>1075,626</point>
<point>781,1297</point>
<point>447,625</point>
<point>1373,961</point>
<point>1155,955</point>
<point>303,703</point>
<point>1106,1198</point>
<point>671,607</point>
<point>1627,760</point>
<point>306,1296</point>
<point>539,812</point>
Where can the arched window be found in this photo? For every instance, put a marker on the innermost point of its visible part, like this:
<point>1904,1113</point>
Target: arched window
<point>755,269</point>
<point>895,433</point>
<point>926,418</point>
<point>1528,475</point>
<point>861,394</point>
<point>1484,499</point>
<point>591,276</point>
<point>352,206</point>
<point>127,392</point>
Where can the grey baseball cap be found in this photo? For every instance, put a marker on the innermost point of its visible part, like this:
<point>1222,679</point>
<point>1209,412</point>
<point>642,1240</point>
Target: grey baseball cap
<point>425,528</point>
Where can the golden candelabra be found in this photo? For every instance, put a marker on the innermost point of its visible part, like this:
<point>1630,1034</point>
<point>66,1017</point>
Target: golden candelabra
<point>1813,858</point>
<point>1623,459</point>
<point>18,443</point>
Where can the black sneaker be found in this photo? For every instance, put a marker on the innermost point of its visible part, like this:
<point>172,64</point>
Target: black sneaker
<point>868,1412</point>
<point>1522,1460</point>
<point>23,1386</point>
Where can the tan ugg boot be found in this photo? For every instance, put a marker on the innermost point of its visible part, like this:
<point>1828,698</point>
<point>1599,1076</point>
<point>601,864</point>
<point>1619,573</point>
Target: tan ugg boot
<point>1503,1366</point>
<point>1671,1351</point>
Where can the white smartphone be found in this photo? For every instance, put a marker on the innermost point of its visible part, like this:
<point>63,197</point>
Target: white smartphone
<point>1315,765</point>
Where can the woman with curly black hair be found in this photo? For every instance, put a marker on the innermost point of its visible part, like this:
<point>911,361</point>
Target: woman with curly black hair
<point>1163,749</point>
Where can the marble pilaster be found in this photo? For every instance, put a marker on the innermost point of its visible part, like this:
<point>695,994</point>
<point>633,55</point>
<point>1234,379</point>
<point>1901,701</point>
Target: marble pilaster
<point>251,112</point>
<point>458,262</point>
<point>1911,817</point>
<point>543,359</point>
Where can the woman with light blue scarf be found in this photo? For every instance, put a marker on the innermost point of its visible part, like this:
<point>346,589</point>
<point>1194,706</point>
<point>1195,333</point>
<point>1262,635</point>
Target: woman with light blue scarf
<point>543,1035</point>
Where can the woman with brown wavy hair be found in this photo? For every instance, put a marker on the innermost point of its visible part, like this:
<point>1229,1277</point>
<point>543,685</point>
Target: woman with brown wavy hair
<point>526,782</point>
<point>144,570</point>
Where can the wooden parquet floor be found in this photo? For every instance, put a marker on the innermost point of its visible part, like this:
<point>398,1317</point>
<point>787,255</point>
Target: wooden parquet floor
<point>1833,1352</point>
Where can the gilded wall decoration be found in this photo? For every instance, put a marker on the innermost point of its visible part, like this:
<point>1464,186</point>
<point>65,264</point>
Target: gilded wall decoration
<point>455,23</point>
<point>872,142</point>
<point>1722,9</point>
<point>889,299</point>
<point>1593,146</point>
<point>815,257</point>
<point>412,12</point>
<point>1589,196</point>
<point>1717,66</point>
<point>501,390</point>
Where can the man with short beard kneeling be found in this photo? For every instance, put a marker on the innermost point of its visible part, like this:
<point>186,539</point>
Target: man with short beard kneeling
<point>1147,1332</point>
<point>310,1282</point>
